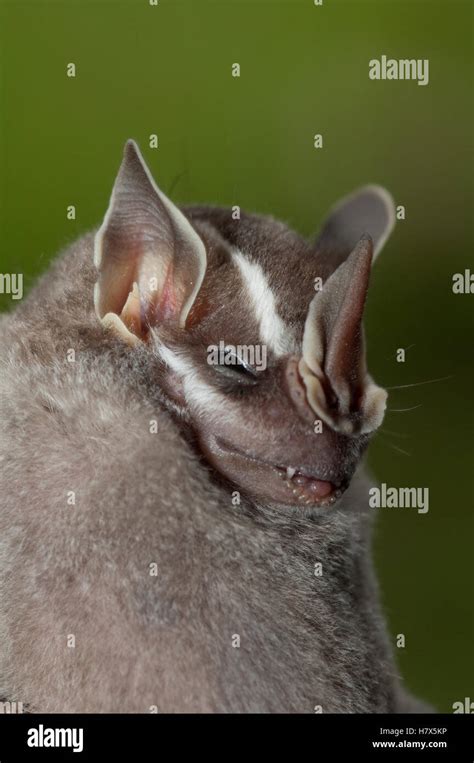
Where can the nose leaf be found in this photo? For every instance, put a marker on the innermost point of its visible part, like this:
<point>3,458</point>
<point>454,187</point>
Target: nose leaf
<point>333,366</point>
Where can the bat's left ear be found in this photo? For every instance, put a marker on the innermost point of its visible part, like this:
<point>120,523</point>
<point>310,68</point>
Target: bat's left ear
<point>370,210</point>
<point>150,260</point>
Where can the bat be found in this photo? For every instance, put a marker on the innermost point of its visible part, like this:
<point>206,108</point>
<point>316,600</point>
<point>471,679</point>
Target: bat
<point>184,519</point>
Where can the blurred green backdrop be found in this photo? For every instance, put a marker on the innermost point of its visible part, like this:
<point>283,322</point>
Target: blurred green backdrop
<point>249,141</point>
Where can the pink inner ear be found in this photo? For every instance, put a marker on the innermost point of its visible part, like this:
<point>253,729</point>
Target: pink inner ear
<point>146,240</point>
<point>160,305</point>
<point>168,301</point>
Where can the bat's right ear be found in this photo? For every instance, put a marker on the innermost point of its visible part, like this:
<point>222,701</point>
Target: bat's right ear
<point>150,260</point>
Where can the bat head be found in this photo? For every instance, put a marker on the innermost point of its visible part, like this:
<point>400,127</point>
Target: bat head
<point>258,332</point>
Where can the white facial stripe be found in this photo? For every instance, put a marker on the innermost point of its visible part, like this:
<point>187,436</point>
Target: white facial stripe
<point>172,359</point>
<point>273,331</point>
<point>201,395</point>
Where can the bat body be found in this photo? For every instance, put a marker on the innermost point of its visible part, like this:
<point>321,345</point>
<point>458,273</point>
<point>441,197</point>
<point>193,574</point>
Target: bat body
<point>177,535</point>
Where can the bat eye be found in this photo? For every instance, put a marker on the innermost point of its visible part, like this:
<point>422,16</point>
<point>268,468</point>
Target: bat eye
<point>243,369</point>
<point>235,367</point>
<point>239,366</point>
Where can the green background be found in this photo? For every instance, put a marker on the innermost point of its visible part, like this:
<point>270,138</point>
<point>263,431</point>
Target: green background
<point>249,141</point>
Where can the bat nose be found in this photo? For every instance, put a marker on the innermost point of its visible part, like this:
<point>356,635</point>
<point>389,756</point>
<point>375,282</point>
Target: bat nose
<point>324,453</point>
<point>297,391</point>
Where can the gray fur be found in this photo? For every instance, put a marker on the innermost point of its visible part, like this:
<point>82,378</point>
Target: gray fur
<point>145,498</point>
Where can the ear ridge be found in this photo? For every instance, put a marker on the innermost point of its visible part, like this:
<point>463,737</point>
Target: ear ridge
<point>146,239</point>
<point>112,322</point>
<point>369,209</point>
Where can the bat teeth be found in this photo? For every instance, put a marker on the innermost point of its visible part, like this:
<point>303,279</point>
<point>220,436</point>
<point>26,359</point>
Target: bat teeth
<point>300,493</point>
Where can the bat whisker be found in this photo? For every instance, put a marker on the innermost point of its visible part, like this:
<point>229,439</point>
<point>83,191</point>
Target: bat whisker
<point>417,384</point>
<point>395,434</point>
<point>395,447</point>
<point>401,410</point>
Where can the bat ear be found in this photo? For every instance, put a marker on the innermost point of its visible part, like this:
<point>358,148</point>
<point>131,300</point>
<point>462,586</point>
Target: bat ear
<point>369,210</point>
<point>333,365</point>
<point>150,260</point>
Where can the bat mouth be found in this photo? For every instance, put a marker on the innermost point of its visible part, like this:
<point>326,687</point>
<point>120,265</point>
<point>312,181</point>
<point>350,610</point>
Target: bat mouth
<point>285,484</point>
<point>307,488</point>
